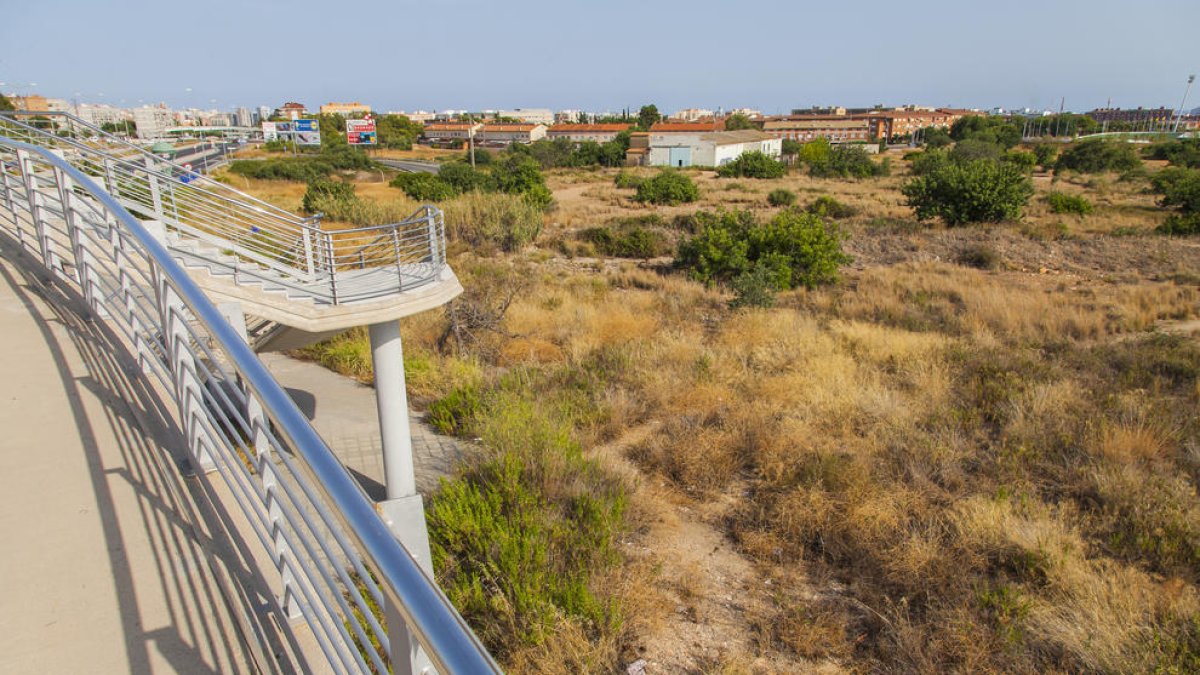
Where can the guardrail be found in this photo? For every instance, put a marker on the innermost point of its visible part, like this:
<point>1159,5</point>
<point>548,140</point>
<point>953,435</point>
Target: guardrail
<point>336,561</point>
<point>267,242</point>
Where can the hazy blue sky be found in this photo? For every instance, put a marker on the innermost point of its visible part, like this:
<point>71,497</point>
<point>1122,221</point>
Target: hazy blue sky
<point>441,54</point>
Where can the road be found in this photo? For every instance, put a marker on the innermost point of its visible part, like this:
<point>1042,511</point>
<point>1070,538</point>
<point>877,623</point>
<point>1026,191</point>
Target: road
<point>202,157</point>
<point>410,166</point>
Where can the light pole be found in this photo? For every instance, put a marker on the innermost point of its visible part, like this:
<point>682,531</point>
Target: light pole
<point>1179,115</point>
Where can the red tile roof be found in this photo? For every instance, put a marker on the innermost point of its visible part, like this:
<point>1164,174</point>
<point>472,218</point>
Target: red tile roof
<point>693,127</point>
<point>588,128</point>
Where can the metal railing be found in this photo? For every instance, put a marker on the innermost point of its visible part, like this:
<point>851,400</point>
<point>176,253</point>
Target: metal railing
<point>252,239</point>
<point>336,561</point>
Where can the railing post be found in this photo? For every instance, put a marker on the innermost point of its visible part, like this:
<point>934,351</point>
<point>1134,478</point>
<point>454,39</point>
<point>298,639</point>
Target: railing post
<point>155,193</point>
<point>181,363</point>
<point>435,241</point>
<point>331,263</point>
<point>10,202</point>
<point>307,244</point>
<point>110,179</point>
<point>84,263</point>
<point>37,212</point>
<point>396,255</point>
<point>264,462</point>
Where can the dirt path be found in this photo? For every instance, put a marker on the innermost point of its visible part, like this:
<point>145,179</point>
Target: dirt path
<point>713,589</point>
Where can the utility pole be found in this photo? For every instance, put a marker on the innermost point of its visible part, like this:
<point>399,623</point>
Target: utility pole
<point>1179,115</point>
<point>471,139</point>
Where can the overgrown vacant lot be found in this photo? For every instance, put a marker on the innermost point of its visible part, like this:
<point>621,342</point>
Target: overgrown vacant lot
<point>976,452</point>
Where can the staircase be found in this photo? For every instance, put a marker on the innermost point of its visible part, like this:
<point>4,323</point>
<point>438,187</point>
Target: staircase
<point>310,282</point>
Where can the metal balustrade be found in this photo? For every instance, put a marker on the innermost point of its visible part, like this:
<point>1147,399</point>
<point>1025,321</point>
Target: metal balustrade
<point>336,561</point>
<point>230,232</point>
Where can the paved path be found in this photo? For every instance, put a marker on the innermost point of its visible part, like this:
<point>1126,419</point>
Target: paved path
<point>343,412</point>
<point>104,566</point>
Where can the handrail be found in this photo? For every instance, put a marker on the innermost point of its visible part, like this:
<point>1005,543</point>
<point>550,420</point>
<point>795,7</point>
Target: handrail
<point>281,250</point>
<point>87,216</point>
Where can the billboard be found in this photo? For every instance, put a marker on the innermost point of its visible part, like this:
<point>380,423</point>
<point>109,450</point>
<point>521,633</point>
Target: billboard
<point>306,132</point>
<point>270,133</point>
<point>360,132</point>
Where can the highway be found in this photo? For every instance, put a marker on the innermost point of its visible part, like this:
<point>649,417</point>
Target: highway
<point>410,166</point>
<point>202,157</point>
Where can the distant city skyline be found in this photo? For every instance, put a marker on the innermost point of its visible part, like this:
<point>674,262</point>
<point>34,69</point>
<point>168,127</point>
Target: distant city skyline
<point>467,54</point>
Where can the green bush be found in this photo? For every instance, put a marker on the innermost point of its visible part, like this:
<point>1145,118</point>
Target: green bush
<point>828,207</point>
<point>1024,161</point>
<point>1181,152</point>
<point>519,539</point>
<point>282,168</point>
<point>781,197</point>
<point>464,177</point>
<point>752,165</point>
<point>971,149</point>
<point>921,163</point>
<point>424,187</point>
<point>975,192</point>
<point>1045,153</point>
<point>626,242</point>
<point>754,288</point>
<point>1064,203</point>
<point>1098,156</point>
<point>323,189</point>
<point>668,187</point>
<point>627,180</point>
<point>848,161</point>
<point>1180,190</point>
<point>980,256</point>
<point>799,249</point>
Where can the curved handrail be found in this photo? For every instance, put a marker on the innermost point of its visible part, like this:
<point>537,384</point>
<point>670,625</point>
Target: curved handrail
<point>426,611</point>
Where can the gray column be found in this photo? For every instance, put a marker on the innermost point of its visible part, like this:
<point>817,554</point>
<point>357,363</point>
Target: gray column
<point>391,400</point>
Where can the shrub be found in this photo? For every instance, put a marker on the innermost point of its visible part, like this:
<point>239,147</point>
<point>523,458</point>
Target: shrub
<point>754,288</point>
<point>323,190</point>
<point>847,161</point>
<point>925,162</point>
<point>627,180</point>
<point>668,187</point>
<point>975,192</point>
<point>980,256</point>
<point>828,207</point>
<point>425,187</point>
<point>302,169</point>
<point>463,177</point>
<point>1098,156</point>
<point>971,149</point>
<point>1180,190</point>
<point>752,165</point>
<point>1064,203</point>
<point>1045,153</point>
<point>799,249</point>
<point>1182,152</point>
<point>628,242</point>
<point>781,197</point>
<point>507,221</point>
<point>1024,161</point>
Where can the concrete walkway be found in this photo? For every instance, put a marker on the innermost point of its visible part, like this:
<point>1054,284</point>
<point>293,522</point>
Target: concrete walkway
<point>343,412</point>
<point>106,564</point>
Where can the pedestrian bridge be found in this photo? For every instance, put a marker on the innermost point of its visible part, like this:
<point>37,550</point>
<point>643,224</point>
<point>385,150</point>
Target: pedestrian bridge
<point>168,508</point>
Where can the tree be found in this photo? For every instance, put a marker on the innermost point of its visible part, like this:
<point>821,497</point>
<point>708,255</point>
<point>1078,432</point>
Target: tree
<point>1045,153</point>
<point>522,175</point>
<point>1098,156</point>
<point>752,165</point>
<point>647,116</point>
<point>847,161</point>
<point>935,137</point>
<point>397,131</point>
<point>464,178</point>
<point>424,187</point>
<point>738,121</point>
<point>1000,130</point>
<point>979,191</point>
<point>6,104</point>
<point>791,147</point>
<point>668,187</point>
<point>815,152</point>
<point>333,130</point>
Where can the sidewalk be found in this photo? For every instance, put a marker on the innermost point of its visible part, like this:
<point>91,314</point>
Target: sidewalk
<point>104,566</point>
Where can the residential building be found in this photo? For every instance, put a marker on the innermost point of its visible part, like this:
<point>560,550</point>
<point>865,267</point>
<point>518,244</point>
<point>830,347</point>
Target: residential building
<point>687,127</point>
<point>418,116</point>
<point>291,110</point>
<point>346,109</point>
<point>600,133</point>
<point>748,112</point>
<point>98,115</point>
<point>264,113</point>
<point>569,117</point>
<point>153,121</point>
<point>712,148</point>
<point>244,118</point>
<point>1133,115</point>
<point>887,124</point>
<point>448,131</point>
<point>33,102</point>
<point>512,133</point>
<point>530,115</point>
<point>692,114</point>
<point>834,128</point>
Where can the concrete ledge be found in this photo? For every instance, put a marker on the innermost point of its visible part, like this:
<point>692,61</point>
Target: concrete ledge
<point>315,318</point>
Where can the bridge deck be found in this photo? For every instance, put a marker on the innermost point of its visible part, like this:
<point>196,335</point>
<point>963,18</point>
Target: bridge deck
<point>105,565</point>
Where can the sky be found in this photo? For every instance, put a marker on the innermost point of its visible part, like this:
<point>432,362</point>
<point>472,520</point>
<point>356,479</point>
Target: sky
<point>454,54</point>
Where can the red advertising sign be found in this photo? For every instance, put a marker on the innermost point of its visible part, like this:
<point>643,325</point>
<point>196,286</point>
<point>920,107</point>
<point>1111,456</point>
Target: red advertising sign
<point>361,132</point>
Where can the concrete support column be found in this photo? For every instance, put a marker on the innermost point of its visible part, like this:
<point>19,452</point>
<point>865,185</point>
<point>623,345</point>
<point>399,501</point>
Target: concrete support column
<point>403,511</point>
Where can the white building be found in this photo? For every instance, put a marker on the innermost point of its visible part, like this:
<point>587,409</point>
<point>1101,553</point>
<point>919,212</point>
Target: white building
<point>692,114</point>
<point>98,115</point>
<point>152,122</point>
<point>451,131</point>
<point>418,116</point>
<point>714,148</point>
<point>512,133</point>
<point>600,133</point>
<point>264,113</point>
<point>530,115</point>
<point>244,118</point>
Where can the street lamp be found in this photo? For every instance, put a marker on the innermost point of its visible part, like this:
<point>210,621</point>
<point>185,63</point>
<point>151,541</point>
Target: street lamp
<point>1179,115</point>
